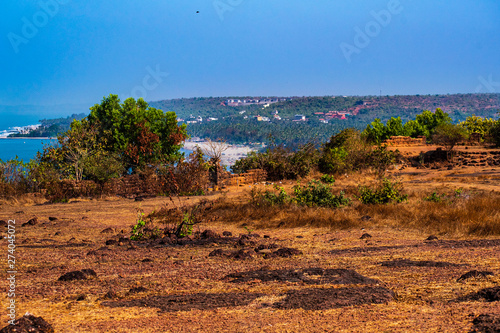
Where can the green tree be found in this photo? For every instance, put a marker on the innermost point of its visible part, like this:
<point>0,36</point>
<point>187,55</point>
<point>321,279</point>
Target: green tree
<point>375,131</point>
<point>448,135</point>
<point>494,133</point>
<point>345,151</point>
<point>139,134</point>
<point>475,124</point>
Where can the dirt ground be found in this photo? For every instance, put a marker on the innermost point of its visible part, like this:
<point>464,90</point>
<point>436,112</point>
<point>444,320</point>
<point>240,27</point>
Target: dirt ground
<point>240,280</point>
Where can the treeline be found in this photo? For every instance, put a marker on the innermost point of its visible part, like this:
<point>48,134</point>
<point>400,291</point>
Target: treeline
<point>280,132</point>
<point>351,149</point>
<point>366,108</point>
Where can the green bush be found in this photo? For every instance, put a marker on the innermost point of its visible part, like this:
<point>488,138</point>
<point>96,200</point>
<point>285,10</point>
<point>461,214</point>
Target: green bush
<point>276,199</point>
<point>386,192</point>
<point>327,179</point>
<point>143,229</point>
<point>280,162</point>
<point>346,151</point>
<point>318,194</point>
<point>313,194</point>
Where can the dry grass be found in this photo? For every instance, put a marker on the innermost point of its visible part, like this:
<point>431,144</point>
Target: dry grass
<point>475,215</point>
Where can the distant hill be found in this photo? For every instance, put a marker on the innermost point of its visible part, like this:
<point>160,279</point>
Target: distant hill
<point>235,117</point>
<point>239,124</point>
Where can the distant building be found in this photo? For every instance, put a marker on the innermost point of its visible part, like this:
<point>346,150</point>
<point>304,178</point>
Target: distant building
<point>199,119</point>
<point>299,117</point>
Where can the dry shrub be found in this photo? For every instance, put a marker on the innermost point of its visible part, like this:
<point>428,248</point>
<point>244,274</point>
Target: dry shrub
<point>188,177</point>
<point>288,215</point>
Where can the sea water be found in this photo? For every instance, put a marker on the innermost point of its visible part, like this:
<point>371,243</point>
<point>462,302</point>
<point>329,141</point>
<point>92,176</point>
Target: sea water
<point>26,148</point>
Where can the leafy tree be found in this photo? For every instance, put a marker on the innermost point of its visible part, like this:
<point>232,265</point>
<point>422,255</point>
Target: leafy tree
<point>375,131</point>
<point>139,134</point>
<point>345,151</point>
<point>475,124</point>
<point>494,133</point>
<point>449,135</point>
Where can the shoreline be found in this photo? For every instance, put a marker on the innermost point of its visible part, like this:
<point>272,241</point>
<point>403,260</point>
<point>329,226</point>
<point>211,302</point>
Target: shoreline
<point>29,138</point>
<point>229,156</point>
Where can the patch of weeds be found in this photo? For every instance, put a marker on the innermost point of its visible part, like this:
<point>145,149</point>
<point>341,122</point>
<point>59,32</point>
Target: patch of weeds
<point>180,220</point>
<point>276,199</point>
<point>458,192</point>
<point>385,193</point>
<point>434,197</point>
<point>327,179</point>
<point>143,229</point>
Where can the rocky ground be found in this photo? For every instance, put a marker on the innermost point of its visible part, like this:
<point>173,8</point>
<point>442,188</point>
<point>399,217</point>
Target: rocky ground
<point>79,271</point>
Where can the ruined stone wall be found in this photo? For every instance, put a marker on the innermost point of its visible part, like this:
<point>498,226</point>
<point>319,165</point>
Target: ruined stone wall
<point>248,178</point>
<point>406,141</point>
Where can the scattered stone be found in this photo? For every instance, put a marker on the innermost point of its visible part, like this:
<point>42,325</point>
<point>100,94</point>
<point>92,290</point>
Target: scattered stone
<point>108,231</point>
<point>245,240</point>
<point>299,236</point>
<point>366,218</point>
<point>266,247</point>
<point>267,236</point>
<point>314,275</point>
<point>58,233</point>
<point>474,274</point>
<point>137,290</point>
<point>81,298</point>
<point>489,294</point>
<point>209,234</point>
<point>111,242</point>
<point>32,221</point>
<point>284,252</point>
<point>29,323</point>
<point>147,260</point>
<point>365,236</point>
<point>412,263</point>
<point>52,218</point>
<point>323,299</point>
<point>431,238</point>
<point>227,234</point>
<point>240,254</point>
<point>243,254</point>
<point>220,253</point>
<point>111,294</point>
<point>84,274</point>
<point>486,323</point>
<point>188,302</point>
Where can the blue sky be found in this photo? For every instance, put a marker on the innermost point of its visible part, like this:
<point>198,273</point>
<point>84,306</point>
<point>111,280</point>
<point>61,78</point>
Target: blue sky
<point>80,51</point>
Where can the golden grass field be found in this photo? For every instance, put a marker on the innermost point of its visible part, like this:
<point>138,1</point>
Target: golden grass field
<point>186,290</point>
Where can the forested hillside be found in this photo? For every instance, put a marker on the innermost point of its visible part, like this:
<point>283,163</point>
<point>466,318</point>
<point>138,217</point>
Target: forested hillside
<point>239,123</point>
<point>324,116</point>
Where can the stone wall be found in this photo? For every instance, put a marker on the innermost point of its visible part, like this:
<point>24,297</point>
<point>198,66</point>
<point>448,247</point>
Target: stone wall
<point>248,178</point>
<point>406,141</point>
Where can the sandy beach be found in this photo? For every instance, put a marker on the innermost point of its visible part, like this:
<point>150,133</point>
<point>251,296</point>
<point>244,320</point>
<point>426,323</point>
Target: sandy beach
<point>229,156</point>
